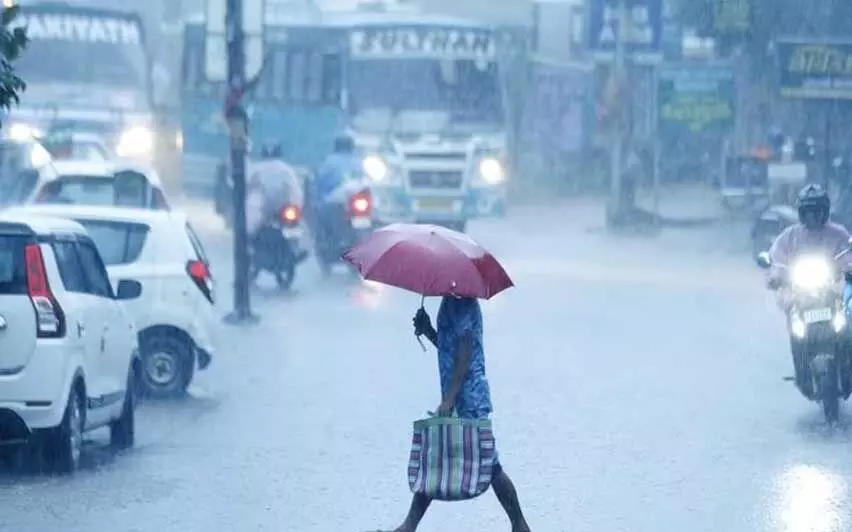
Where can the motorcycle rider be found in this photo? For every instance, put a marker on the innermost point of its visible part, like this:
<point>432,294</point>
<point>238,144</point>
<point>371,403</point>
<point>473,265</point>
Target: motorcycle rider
<point>271,184</point>
<point>814,232</point>
<point>342,161</point>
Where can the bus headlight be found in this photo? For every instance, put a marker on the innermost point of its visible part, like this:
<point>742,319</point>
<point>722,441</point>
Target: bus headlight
<point>21,132</point>
<point>135,141</point>
<point>491,171</point>
<point>375,167</point>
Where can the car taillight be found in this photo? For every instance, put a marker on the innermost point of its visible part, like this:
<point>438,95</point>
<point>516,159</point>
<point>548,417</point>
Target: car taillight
<point>200,275</point>
<point>50,319</point>
<point>290,215</point>
<point>361,204</point>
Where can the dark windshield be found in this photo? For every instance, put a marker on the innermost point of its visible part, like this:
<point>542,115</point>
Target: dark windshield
<point>71,48</point>
<point>467,91</point>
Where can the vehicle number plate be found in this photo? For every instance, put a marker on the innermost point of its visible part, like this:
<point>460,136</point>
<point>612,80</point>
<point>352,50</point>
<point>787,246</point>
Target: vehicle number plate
<point>361,222</point>
<point>292,232</point>
<point>436,204</point>
<point>817,315</point>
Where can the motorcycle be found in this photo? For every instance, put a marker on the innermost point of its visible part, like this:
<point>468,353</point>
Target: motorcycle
<point>343,225</point>
<point>817,324</point>
<point>276,247</point>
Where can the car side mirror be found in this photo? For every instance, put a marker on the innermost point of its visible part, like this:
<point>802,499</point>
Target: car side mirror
<point>128,289</point>
<point>764,261</point>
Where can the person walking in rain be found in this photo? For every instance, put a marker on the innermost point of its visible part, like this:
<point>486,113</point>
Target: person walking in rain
<point>464,388</point>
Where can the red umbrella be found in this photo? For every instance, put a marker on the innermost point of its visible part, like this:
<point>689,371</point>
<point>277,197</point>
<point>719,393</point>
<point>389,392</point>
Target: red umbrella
<point>429,260</point>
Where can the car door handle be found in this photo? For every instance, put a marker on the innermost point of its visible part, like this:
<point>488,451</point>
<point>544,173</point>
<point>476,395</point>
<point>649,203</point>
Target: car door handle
<point>81,330</point>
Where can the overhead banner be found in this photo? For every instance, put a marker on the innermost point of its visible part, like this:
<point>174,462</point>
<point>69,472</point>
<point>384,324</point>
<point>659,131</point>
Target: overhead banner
<point>79,28</point>
<point>815,70</point>
<point>643,31</point>
<point>695,99</point>
<point>421,41</point>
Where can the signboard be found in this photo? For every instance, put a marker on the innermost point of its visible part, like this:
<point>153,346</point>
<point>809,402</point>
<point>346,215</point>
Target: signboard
<point>815,69</point>
<point>695,98</point>
<point>79,28</point>
<point>642,32</point>
<point>731,16</point>
<point>557,113</point>
<point>424,42</point>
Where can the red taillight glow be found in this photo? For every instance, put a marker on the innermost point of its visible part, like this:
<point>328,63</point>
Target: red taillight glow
<point>198,270</point>
<point>200,274</point>
<point>50,320</point>
<point>361,204</point>
<point>36,276</point>
<point>290,214</point>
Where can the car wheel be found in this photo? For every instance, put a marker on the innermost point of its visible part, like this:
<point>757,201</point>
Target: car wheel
<point>64,444</point>
<point>167,366</point>
<point>122,431</point>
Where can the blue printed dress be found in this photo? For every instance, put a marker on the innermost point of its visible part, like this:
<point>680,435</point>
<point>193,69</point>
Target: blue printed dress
<point>456,317</point>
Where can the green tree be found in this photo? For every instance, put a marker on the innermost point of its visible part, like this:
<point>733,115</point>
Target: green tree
<point>12,44</point>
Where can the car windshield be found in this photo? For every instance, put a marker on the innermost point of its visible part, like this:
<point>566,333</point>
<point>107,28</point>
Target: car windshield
<point>96,190</point>
<point>73,48</point>
<point>117,242</point>
<point>421,94</point>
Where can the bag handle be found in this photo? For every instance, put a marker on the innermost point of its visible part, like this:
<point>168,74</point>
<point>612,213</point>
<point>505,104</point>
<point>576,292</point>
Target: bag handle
<point>435,414</point>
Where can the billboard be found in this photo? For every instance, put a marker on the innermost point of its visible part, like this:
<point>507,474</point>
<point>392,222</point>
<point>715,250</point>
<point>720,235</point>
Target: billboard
<point>695,98</point>
<point>815,69</point>
<point>643,31</point>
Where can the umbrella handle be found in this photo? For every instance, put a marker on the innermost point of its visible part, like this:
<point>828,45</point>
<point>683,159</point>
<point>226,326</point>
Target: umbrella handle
<point>420,341</point>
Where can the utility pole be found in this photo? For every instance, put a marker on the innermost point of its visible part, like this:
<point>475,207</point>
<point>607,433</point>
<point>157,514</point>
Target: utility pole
<point>616,208</point>
<point>238,126</point>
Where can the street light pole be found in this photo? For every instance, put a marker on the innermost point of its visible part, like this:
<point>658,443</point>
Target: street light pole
<point>616,208</point>
<point>238,125</point>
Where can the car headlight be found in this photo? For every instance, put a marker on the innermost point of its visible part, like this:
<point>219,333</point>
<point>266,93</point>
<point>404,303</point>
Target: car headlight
<point>135,141</point>
<point>491,171</point>
<point>375,167</point>
<point>21,132</point>
<point>811,273</point>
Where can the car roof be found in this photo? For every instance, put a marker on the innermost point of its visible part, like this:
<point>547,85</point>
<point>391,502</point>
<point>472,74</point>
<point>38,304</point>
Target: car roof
<point>101,213</point>
<point>65,167</point>
<point>41,224</point>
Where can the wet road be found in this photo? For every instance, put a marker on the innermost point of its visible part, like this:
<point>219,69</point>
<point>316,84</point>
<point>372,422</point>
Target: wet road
<point>636,382</point>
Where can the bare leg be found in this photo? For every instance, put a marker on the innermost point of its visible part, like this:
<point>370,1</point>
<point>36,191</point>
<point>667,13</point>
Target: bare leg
<point>419,505</point>
<point>508,497</point>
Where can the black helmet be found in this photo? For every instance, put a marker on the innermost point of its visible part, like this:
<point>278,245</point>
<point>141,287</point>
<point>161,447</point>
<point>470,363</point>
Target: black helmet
<point>270,150</point>
<point>344,144</point>
<point>814,206</point>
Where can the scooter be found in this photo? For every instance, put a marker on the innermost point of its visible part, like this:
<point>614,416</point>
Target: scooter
<point>344,224</point>
<point>817,323</point>
<point>277,247</point>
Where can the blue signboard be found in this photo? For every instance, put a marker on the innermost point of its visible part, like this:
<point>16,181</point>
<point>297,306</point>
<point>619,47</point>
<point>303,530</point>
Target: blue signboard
<point>643,31</point>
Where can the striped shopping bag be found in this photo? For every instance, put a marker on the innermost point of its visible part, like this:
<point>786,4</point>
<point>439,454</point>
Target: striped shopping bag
<point>452,459</point>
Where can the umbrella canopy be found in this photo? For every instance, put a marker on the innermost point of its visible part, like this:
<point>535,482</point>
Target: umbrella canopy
<point>429,260</point>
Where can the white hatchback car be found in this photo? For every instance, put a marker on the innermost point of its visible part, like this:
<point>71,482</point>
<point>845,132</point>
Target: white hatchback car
<point>100,183</point>
<point>175,316</point>
<point>69,356</point>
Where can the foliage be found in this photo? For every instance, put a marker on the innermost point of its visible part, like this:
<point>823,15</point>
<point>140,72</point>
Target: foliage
<point>12,44</point>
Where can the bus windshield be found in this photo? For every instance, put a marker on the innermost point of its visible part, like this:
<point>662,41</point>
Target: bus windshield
<point>72,48</point>
<point>457,92</point>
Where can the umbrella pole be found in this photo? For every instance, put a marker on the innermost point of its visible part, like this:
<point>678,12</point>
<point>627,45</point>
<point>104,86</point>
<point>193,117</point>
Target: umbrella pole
<point>420,340</point>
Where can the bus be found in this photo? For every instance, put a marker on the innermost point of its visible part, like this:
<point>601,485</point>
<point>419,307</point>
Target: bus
<point>421,95</point>
<point>86,69</point>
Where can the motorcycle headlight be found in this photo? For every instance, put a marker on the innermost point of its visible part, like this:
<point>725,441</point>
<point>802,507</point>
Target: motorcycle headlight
<point>135,141</point>
<point>811,273</point>
<point>375,167</point>
<point>491,171</point>
<point>21,132</point>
